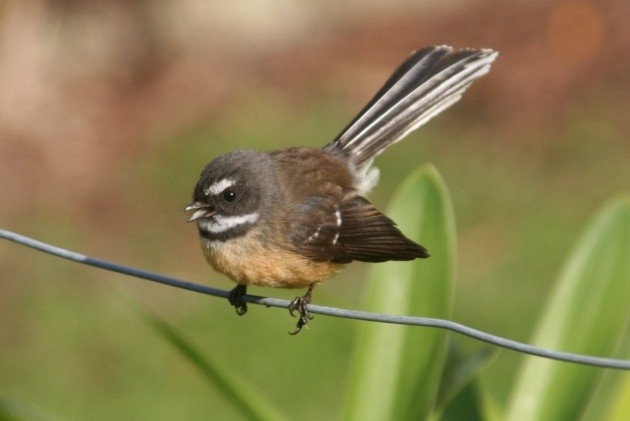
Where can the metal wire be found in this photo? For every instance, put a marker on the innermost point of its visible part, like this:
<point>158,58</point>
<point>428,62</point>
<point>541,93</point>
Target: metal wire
<point>329,311</point>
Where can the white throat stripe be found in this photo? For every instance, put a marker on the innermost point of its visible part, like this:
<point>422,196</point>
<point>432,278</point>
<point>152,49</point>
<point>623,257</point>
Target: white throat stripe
<point>219,186</point>
<point>224,223</point>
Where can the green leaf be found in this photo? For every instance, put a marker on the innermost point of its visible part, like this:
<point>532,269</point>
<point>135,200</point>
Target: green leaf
<point>460,370</point>
<point>609,396</point>
<point>460,394</point>
<point>620,408</point>
<point>397,368</point>
<point>244,397</point>
<point>587,313</point>
<point>466,406</point>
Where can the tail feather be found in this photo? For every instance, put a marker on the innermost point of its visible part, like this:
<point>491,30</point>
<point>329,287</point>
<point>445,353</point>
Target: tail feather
<point>427,83</point>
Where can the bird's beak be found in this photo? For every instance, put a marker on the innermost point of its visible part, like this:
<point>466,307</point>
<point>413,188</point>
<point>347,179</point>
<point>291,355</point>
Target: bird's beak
<point>199,210</point>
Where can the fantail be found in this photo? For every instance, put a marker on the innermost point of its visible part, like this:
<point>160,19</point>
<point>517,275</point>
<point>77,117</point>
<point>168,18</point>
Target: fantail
<point>293,217</point>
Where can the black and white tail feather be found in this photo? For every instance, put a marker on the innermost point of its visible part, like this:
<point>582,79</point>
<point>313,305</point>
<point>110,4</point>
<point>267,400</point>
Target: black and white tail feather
<point>428,82</point>
<point>349,227</point>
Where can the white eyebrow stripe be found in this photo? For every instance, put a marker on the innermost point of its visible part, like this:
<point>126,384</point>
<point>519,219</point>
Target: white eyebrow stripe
<point>224,223</point>
<point>219,186</point>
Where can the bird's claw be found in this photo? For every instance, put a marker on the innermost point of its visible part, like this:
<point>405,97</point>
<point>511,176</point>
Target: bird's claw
<point>300,304</point>
<point>236,299</point>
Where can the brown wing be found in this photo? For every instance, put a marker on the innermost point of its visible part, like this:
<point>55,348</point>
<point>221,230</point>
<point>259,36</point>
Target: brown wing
<point>350,229</point>
<point>369,236</point>
<point>315,231</point>
<point>325,219</point>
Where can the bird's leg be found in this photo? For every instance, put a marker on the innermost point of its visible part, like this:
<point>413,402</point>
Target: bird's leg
<point>236,299</point>
<point>299,304</point>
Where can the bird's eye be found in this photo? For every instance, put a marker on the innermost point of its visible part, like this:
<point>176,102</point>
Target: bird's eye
<point>229,195</point>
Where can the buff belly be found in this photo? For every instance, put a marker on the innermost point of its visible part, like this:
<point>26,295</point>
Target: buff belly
<point>246,263</point>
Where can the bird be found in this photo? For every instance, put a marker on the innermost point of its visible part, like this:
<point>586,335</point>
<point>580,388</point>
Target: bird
<point>293,217</point>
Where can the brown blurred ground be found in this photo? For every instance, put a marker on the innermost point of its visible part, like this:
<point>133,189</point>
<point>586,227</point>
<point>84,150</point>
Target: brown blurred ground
<point>87,84</point>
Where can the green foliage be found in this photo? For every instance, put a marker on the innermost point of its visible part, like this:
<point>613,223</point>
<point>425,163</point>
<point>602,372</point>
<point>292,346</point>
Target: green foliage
<point>459,391</point>
<point>402,372</point>
<point>587,313</point>
<point>620,404</point>
<point>242,395</point>
<point>397,369</point>
<point>408,373</point>
<point>467,406</point>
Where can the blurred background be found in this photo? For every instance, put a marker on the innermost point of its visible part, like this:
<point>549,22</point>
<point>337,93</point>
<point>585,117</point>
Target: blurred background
<point>109,111</point>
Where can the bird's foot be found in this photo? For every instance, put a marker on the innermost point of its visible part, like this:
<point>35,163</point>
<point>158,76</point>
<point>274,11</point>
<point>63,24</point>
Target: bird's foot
<point>236,299</point>
<point>300,304</point>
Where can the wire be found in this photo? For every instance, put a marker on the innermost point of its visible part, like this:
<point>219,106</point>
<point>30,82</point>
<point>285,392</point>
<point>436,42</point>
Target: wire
<point>328,311</point>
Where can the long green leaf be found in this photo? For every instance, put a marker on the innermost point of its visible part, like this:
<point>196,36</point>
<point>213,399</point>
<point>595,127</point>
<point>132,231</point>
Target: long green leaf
<point>609,396</point>
<point>620,408</point>
<point>460,370</point>
<point>397,369</point>
<point>467,405</point>
<point>460,395</point>
<point>587,313</point>
<point>244,397</point>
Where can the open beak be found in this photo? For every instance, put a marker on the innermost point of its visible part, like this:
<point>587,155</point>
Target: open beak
<point>199,210</point>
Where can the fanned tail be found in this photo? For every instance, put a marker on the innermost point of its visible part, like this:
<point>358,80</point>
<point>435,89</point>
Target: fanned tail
<point>427,83</point>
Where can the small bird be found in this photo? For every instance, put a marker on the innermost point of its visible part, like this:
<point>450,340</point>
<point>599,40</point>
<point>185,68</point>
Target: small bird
<point>291,218</point>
